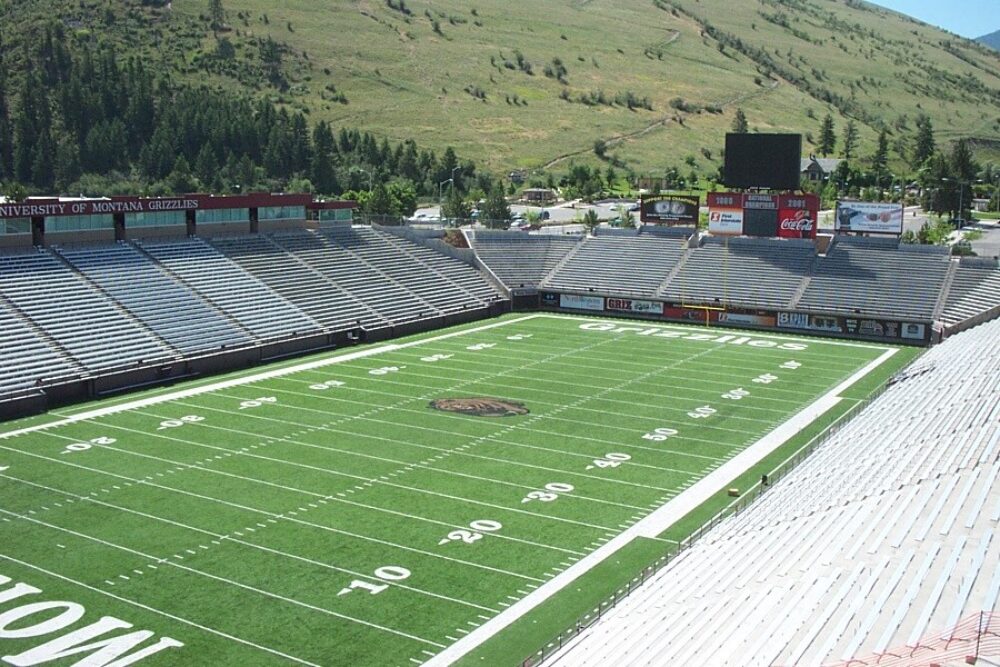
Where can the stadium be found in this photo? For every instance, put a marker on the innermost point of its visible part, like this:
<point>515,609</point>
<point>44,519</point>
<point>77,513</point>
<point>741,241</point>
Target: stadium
<point>254,430</point>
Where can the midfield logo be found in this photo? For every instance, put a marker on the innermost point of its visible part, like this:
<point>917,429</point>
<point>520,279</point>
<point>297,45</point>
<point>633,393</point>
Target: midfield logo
<point>480,406</point>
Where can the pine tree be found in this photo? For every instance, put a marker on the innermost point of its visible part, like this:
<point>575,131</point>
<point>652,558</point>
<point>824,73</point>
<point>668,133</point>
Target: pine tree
<point>850,139</point>
<point>217,14</point>
<point>180,179</point>
<point>454,207</point>
<point>380,203</point>
<point>740,125</point>
<point>322,174</point>
<point>6,167</point>
<point>206,166</point>
<point>495,212</point>
<point>924,146</point>
<point>880,160</point>
<point>827,137</point>
<point>43,166</point>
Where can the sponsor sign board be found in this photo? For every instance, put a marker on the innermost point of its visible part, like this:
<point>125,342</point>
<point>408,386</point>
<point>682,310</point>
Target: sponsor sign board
<point>809,322</point>
<point>578,302</point>
<point>550,299</point>
<point>747,319</point>
<point>634,306</point>
<point>914,331</point>
<point>869,217</point>
<point>725,213</point>
<point>869,327</point>
<point>669,209</point>
<point>797,216</point>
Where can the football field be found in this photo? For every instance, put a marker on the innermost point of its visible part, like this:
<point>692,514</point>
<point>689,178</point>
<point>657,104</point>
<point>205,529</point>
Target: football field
<point>375,506</point>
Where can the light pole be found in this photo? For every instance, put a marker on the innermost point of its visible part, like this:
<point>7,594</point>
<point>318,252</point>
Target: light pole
<point>447,180</point>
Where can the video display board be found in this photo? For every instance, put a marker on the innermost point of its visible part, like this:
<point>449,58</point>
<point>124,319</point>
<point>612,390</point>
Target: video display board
<point>763,161</point>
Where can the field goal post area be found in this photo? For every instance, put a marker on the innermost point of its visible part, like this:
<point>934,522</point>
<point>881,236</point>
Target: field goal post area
<point>707,309</point>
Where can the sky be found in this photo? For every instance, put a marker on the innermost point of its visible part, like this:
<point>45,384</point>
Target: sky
<point>968,18</point>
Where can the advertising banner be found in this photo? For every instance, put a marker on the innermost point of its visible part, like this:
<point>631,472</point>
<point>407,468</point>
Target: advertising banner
<point>725,213</point>
<point>669,209</point>
<point>691,314</point>
<point>869,217</point>
<point>914,331</point>
<point>878,328</point>
<point>550,299</point>
<point>747,319</point>
<point>798,216</point>
<point>581,302</point>
<point>809,322</point>
<point>635,306</point>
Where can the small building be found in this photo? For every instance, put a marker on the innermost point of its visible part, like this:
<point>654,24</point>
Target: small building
<point>539,195</point>
<point>815,168</point>
<point>980,205</point>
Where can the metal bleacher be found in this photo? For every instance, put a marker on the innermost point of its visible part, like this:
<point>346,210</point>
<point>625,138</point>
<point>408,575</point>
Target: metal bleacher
<point>168,307</point>
<point>522,260</point>
<point>297,281</point>
<point>95,330</point>
<point>254,305</point>
<point>27,359</point>
<point>975,289</point>
<point>748,272</point>
<point>626,265</point>
<point>882,542</point>
<point>858,278</point>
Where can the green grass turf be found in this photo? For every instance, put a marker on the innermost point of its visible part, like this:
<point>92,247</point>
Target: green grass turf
<point>240,534</point>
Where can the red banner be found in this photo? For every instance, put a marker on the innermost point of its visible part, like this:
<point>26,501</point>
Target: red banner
<point>798,216</point>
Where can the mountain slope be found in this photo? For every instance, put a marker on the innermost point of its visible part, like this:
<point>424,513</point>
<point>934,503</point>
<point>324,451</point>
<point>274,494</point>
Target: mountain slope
<point>991,40</point>
<point>527,84</point>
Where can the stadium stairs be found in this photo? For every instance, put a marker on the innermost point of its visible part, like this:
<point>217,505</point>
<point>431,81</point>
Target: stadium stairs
<point>877,549</point>
<point>88,320</point>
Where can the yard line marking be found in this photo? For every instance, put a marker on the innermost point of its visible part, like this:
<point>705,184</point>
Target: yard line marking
<point>453,473</point>
<point>257,377</point>
<point>438,494</point>
<point>291,489</point>
<point>230,582</point>
<point>664,517</point>
<point>491,438</point>
<point>252,545</point>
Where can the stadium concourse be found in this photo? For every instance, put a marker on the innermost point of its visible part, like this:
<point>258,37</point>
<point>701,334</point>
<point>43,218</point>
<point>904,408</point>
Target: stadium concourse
<point>879,549</point>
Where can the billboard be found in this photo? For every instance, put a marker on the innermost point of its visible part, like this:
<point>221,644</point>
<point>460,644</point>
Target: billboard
<point>809,322</point>
<point>763,161</point>
<point>635,306</point>
<point>725,213</point>
<point>798,216</point>
<point>868,327</point>
<point>869,217</point>
<point>581,302</point>
<point>669,209</point>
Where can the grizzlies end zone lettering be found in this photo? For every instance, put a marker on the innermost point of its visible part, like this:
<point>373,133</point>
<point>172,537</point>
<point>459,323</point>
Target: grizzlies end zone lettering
<point>657,332</point>
<point>17,623</point>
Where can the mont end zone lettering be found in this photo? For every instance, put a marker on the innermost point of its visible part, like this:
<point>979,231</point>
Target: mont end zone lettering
<point>657,332</point>
<point>28,619</point>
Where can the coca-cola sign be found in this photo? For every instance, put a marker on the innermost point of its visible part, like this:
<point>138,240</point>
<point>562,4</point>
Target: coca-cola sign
<point>797,216</point>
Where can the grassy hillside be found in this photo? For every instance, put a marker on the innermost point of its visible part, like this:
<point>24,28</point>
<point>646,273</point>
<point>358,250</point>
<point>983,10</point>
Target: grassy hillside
<point>530,84</point>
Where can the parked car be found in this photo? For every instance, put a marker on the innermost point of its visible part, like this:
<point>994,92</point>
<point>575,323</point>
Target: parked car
<point>520,225</point>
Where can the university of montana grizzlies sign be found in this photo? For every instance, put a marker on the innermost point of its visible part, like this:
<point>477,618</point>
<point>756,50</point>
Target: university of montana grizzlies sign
<point>480,406</point>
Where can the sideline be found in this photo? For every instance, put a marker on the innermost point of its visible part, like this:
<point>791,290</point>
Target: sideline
<point>250,379</point>
<point>660,520</point>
